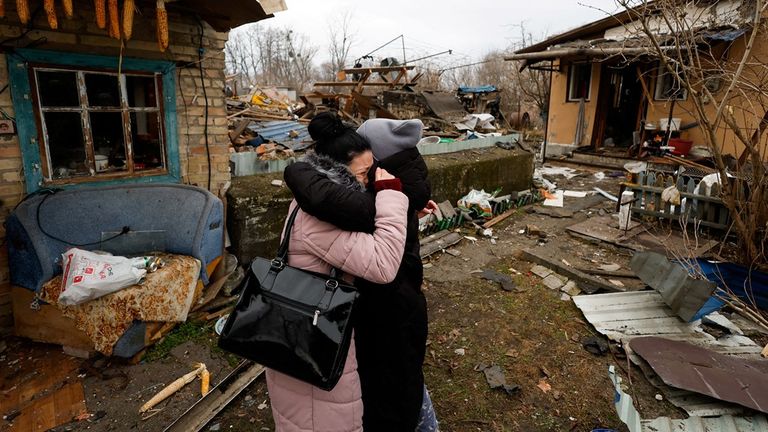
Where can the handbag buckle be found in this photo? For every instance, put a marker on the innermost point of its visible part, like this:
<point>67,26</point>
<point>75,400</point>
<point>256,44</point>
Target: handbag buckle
<point>331,284</point>
<point>278,264</point>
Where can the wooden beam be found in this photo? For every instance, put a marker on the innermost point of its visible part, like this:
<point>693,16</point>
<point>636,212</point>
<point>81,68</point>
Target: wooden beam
<point>354,83</point>
<point>382,69</point>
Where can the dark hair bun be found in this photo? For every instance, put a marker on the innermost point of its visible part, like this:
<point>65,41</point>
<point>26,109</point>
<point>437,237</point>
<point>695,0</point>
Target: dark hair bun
<point>326,126</point>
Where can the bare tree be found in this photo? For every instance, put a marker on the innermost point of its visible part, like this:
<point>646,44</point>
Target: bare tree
<point>270,56</point>
<point>728,92</point>
<point>342,38</point>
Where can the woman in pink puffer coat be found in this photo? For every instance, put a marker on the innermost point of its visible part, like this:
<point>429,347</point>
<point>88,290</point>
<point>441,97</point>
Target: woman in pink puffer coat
<point>345,157</point>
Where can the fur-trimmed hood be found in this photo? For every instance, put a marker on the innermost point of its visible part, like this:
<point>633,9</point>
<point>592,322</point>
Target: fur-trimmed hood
<point>336,171</point>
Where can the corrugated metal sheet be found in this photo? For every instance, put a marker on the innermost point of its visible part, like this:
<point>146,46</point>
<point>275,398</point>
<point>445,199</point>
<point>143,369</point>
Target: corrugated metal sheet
<point>626,315</point>
<point>280,131</point>
<point>725,423</point>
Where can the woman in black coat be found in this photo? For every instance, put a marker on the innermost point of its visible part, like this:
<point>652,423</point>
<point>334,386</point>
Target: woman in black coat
<point>391,324</point>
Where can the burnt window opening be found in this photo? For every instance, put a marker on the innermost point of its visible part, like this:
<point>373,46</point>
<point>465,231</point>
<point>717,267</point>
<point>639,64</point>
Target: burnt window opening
<point>579,81</point>
<point>668,87</point>
<point>96,125</point>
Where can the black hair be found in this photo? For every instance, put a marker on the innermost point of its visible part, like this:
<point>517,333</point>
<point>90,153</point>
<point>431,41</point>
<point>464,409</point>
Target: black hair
<point>335,139</point>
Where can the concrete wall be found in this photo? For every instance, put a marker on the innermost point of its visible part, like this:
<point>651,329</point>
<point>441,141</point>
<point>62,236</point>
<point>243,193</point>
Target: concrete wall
<point>81,35</point>
<point>256,210</point>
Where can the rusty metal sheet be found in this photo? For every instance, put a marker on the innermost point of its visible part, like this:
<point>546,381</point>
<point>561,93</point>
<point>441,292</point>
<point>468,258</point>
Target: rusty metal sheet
<point>700,370</point>
<point>165,295</point>
<point>445,105</point>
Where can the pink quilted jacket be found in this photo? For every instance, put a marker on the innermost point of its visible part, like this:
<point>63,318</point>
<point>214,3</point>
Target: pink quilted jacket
<point>316,246</point>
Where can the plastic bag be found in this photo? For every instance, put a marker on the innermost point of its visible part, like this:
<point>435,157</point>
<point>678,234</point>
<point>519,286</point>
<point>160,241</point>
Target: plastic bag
<point>88,275</point>
<point>478,200</point>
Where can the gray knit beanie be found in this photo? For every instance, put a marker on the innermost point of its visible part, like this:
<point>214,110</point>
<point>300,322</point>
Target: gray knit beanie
<point>388,137</point>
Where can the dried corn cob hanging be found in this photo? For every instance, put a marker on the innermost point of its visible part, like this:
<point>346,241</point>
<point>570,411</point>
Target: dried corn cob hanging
<point>22,7</point>
<point>162,25</point>
<point>128,9</point>
<point>68,9</point>
<point>101,13</point>
<point>2,9</point>
<point>50,12</point>
<point>114,19</point>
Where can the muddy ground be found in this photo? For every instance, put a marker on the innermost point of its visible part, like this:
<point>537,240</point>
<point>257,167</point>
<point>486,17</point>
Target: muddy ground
<point>533,334</point>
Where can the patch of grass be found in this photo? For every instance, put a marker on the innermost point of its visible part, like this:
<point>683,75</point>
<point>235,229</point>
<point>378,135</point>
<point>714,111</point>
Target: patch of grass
<point>187,331</point>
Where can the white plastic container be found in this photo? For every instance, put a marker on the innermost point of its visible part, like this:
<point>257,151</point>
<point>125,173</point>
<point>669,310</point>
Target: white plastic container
<point>102,163</point>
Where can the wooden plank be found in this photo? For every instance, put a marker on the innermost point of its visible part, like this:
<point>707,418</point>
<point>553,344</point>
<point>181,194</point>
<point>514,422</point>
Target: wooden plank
<point>204,410</point>
<point>51,410</point>
<point>587,283</point>
<point>354,84</point>
<point>46,324</point>
<point>441,243</point>
<point>500,218</point>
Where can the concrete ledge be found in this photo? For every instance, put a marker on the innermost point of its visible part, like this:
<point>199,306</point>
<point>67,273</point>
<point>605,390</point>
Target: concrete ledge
<point>556,150</point>
<point>256,210</point>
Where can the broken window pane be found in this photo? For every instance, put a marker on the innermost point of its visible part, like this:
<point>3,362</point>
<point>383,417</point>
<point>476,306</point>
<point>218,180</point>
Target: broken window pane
<point>103,90</point>
<point>141,91</point>
<point>107,130</point>
<point>58,89</point>
<point>66,146</point>
<point>580,81</point>
<point>147,141</point>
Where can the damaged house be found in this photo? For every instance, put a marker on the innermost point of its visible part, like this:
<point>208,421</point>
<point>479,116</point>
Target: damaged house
<point>611,94</point>
<point>114,121</point>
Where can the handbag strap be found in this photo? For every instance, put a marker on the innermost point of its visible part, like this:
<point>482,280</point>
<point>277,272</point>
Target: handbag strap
<point>282,251</point>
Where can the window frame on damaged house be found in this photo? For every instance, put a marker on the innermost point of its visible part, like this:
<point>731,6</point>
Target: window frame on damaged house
<point>39,168</point>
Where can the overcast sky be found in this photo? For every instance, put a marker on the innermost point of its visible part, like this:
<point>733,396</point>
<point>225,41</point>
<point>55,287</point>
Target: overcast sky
<point>470,29</point>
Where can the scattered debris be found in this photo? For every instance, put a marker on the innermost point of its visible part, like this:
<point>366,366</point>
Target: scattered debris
<point>544,386</point>
<point>205,409</point>
<point>587,283</point>
<point>495,378</point>
<point>278,183</point>
<point>554,200</point>
<point>574,194</point>
<point>606,194</point>
<point>506,281</point>
<point>610,267</point>
<point>554,281</point>
<point>173,388</point>
<point>618,283</point>
<point>596,345</point>
<point>541,271</point>
<point>659,397</point>
<point>459,351</point>
<point>571,288</point>
<point>438,241</point>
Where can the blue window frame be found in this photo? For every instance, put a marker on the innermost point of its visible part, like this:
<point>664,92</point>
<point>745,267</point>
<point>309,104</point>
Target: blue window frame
<point>81,123</point>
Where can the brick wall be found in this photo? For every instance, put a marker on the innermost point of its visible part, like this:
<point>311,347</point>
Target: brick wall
<point>81,35</point>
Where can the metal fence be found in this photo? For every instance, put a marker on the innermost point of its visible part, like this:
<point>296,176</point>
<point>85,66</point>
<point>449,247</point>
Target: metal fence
<point>700,204</point>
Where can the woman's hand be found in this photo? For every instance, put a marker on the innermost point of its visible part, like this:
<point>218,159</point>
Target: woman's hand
<point>429,209</point>
<point>382,174</point>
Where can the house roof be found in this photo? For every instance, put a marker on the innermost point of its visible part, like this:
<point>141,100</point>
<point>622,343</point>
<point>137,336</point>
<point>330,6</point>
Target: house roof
<point>592,28</point>
<point>224,15</point>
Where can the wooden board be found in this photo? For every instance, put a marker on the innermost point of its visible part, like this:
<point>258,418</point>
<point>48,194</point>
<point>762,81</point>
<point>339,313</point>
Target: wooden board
<point>54,409</point>
<point>45,325</point>
<point>43,388</point>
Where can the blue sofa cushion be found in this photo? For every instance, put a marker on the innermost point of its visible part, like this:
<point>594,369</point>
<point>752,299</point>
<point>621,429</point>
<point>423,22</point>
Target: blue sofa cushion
<point>191,218</point>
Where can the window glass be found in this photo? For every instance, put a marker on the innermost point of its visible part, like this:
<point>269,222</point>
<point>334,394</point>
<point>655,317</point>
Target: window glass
<point>66,145</point>
<point>58,89</point>
<point>146,138</point>
<point>103,90</point>
<point>107,130</point>
<point>141,91</point>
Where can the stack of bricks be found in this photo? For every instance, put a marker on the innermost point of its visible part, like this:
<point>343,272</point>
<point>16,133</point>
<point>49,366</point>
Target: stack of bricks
<point>81,35</point>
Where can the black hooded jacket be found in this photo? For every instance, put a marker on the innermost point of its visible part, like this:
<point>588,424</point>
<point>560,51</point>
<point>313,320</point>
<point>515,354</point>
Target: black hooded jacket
<point>391,328</point>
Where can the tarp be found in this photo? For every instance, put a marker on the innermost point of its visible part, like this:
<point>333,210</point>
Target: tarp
<point>750,286</point>
<point>478,89</point>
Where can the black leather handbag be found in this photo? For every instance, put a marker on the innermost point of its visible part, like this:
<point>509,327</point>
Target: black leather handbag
<point>291,320</point>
